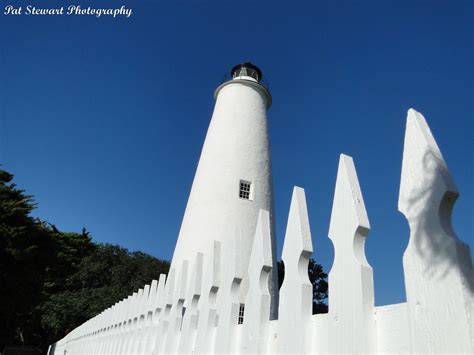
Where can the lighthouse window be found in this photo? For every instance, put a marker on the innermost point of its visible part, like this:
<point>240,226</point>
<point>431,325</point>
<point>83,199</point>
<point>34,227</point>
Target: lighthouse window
<point>241,313</point>
<point>245,189</point>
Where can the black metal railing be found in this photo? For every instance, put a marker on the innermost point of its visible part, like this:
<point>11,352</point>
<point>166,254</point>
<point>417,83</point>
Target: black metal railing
<point>263,81</point>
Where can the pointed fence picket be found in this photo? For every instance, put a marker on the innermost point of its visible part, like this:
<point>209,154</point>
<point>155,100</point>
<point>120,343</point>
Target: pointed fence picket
<point>228,303</point>
<point>257,307</point>
<point>164,316</point>
<point>437,265</point>
<point>155,314</point>
<point>351,305</point>
<point>170,342</point>
<point>207,307</point>
<point>189,323</point>
<point>439,280</point>
<point>296,292</point>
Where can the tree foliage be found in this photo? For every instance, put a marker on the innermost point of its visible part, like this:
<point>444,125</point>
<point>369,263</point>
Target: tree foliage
<point>53,281</point>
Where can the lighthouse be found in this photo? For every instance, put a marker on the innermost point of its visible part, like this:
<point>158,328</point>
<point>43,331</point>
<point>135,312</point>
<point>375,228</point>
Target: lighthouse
<point>233,180</point>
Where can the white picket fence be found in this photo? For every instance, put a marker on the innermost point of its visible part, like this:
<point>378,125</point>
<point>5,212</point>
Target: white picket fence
<point>180,315</point>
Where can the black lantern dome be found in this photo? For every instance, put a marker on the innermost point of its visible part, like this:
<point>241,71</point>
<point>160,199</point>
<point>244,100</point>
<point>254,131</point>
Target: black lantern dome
<point>247,69</point>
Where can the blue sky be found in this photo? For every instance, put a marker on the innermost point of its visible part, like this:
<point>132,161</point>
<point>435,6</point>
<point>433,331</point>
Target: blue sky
<point>103,120</point>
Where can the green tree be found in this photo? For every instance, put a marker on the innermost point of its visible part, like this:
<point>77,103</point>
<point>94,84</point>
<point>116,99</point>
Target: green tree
<point>24,254</point>
<point>53,281</point>
<point>109,274</point>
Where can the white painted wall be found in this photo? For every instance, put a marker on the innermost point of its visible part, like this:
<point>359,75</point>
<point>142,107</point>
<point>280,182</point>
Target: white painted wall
<point>437,317</point>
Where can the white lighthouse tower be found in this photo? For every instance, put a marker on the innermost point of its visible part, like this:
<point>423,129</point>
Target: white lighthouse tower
<point>233,179</point>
